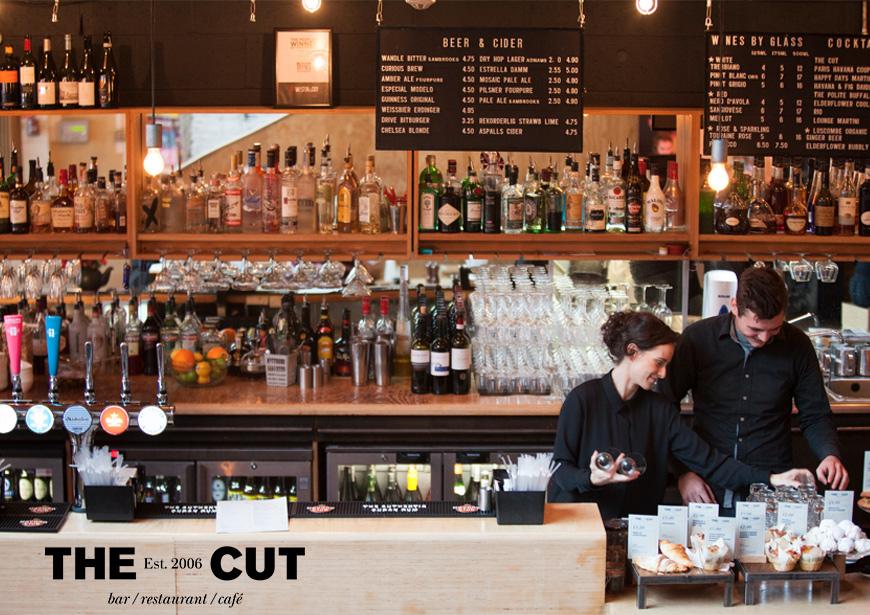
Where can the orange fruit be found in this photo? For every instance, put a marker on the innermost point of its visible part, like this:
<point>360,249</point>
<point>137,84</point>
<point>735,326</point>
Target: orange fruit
<point>197,356</point>
<point>228,336</point>
<point>182,360</point>
<point>216,353</point>
<point>203,369</point>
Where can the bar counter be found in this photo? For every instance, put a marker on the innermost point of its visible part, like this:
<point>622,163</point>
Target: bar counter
<point>358,566</point>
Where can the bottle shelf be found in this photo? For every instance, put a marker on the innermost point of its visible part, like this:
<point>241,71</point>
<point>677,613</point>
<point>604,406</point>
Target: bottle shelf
<point>741,247</point>
<point>65,112</point>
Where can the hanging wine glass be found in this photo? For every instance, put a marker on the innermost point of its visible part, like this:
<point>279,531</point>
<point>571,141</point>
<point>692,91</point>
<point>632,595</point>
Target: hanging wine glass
<point>643,306</point>
<point>330,273</point>
<point>8,280</point>
<point>275,279</point>
<point>801,270</point>
<point>827,270</point>
<point>660,308</point>
<point>246,280</point>
<point>162,282</point>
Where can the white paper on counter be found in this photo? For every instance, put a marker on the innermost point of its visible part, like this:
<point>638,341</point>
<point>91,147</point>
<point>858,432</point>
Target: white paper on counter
<point>866,486</point>
<point>792,516</point>
<point>724,528</point>
<point>838,505</point>
<point>673,524</point>
<point>643,535</point>
<point>245,516</point>
<point>700,515</point>
<point>749,542</point>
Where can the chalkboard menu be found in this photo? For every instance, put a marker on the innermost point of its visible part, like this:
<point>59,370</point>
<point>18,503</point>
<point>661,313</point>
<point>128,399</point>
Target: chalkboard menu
<point>789,94</point>
<point>479,89</point>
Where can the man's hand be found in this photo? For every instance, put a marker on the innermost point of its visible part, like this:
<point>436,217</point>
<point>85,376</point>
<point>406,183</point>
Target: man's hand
<point>694,489</point>
<point>793,478</point>
<point>599,477</point>
<point>832,473</point>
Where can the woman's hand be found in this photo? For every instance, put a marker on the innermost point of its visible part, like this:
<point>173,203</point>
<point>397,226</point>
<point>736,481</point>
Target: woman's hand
<point>599,477</point>
<point>793,478</point>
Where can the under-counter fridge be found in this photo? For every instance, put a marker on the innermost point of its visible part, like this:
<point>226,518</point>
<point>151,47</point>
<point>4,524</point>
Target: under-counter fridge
<point>383,474</point>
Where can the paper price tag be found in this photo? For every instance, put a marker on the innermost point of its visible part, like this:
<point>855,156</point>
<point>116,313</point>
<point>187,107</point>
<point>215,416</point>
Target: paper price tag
<point>793,516</point>
<point>241,517</point>
<point>700,515</point>
<point>643,535</point>
<point>673,523</point>
<point>749,542</point>
<point>838,505</point>
<point>724,528</point>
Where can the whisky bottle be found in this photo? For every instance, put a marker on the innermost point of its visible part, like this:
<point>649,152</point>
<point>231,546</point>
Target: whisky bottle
<point>40,206</point>
<point>19,206</point>
<point>795,213</point>
<point>512,204</point>
<point>778,195</point>
<point>62,209</point>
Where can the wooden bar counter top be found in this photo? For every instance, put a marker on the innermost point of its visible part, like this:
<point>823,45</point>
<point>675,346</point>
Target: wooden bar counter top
<point>350,566</point>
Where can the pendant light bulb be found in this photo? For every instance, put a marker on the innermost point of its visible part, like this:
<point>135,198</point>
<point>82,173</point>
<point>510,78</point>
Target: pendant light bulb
<point>718,178</point>
<point>646,7</point>
<point>153,162</point>
<point>312,6</point>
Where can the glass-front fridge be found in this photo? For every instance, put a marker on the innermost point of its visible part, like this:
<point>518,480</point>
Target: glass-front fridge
<point>255,474</point>
<point>369,474</point>
<point>465,469</point>
<point>32,479</point>
<point>163,476</point>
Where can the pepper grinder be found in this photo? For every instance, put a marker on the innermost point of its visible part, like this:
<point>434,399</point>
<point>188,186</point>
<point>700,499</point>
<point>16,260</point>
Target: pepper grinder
<point>52,342</point>
<point>12,326</point>
<point>126,396</point>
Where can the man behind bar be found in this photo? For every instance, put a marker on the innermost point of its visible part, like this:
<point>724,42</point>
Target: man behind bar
<point>745,369</point>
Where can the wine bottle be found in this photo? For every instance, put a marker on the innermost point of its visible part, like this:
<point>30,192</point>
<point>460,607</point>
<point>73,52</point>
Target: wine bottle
<point>108,79</point>
<point>341,348</point>
<point>440,358</point>
<point>27,76</point>
<point>864,205</point>
<point>825,207</point>
<point>10,86</point>
<point>46,88</point>
<point>460,358</point>
<point>420,354</point>
<point>19,206</point>
<point>87,77</point>
<point>68,77</point>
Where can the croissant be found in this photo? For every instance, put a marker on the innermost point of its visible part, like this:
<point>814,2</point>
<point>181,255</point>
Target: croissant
<point>659,563</point>
<point>675,552</point>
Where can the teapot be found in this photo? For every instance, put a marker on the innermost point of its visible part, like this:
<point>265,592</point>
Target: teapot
<point>92,278</point>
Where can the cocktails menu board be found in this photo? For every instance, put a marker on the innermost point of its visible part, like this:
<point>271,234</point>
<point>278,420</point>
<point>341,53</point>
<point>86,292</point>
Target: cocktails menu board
<point>479,89</point>
<point>789,94</point>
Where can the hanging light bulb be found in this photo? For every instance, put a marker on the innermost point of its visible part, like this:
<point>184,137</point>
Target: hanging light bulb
<point>718,178</point>
<point>646,7</point>
<point>312,6</point>
<point>153,162</point>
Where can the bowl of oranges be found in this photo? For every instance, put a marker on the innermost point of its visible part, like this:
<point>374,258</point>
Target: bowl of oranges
<point>195,369</point>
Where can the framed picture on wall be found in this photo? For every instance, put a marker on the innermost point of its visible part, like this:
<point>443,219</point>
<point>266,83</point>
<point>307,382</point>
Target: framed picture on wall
<point>303,68</point>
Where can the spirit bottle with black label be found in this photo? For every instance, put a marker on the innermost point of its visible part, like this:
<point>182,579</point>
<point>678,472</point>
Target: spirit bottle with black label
<point>450,203</point>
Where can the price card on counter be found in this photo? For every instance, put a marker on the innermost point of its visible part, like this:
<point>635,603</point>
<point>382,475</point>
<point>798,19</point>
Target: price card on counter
<point>724,528</point>
<point>792,516</point>
<point>673,523</point>
<point>517,89</point>
<point>838,505</point>
<point>643,535</point>
<point>700,515</point>
<point>749,540</point>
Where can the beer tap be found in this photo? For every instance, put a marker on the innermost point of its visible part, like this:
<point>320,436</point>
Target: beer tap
<point>52,342</point>
<point>126,396</point>
<point>90,394</point>
<point>162,394</point>
<point>12,325</point>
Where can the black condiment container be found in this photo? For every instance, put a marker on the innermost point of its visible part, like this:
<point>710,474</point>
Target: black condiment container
<point>106,503</point>
<point>520,507</point>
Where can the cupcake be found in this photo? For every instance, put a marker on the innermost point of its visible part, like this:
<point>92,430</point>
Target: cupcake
<point>783,553</point>
<point>811,558</point>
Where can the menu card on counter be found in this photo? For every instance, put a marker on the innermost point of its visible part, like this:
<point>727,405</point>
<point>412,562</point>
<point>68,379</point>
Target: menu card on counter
<point>838,505</point>
<point>643,535</point>
<point>792,516</point>
<point>789,94</point>
<point>673,523</point>
<point>700,515</point>
<point>518,89</point>
<point>242,517</point>
<point>749,541</point>
<point>724,528</point>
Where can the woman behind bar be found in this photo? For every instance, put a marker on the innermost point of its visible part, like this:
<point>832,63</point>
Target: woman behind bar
<point>621,411</point>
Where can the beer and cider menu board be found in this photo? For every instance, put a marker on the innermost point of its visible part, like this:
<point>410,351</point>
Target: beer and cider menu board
<point>789,94</point>
<point>479,89</point>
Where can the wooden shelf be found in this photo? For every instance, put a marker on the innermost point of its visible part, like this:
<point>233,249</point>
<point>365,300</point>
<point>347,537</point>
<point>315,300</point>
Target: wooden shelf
<point>644,246</point>
<point>64,112</point>
<point>64,244</point>
<point>742,247</point>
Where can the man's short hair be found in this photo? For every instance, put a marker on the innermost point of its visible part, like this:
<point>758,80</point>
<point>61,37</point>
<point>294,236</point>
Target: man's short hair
<point>762,291</point>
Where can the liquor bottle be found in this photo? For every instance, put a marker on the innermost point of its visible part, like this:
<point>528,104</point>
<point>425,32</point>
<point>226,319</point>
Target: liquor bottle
<point>596,210</point>
<point>512,204</point>
<point>778,195</point>
<point>215,203</point>
<point>440,358</point>
<point>706,197</point>
<point>492,182</point>
<point>252,203</point>
<point>325,193</point>
<point>5,189</point>
<point>615,200</point>
<point>366,330</point>
<point>430,194</point>
<point>795,213</point>
<point>458,484</point>
<point>271,207</point>
<point>83,200</point>
<point>634,199</point>
<point>306,193</point>
<point>27,76</point>
<point>19,206</point>
<point>104,208</point>
<point>371,201</point>
<point>472,202</point>
<point>78,332</point>
<point>412,490</point>
<point>87,77</point>
<point>68,77</point>
<point>62,209</point>
<point>420,354</point>
<point>231,215</point>
<point>450,202</point>
<point>191,327</point>
<point>675,205</point>
<point>150,336</point>
<point>305,338</point>
<point>533,202</point>
<point>393,493</point>
<point>762,220</point>
<point>654,205</point>
<point>40,206</point>
<point>10,86</point>
<point>473,489</point>
<point>626,161</point>
<point>108,77</point>
<point>402,351</point>
<point>824,207</point>
<point>460,358</point>
<point>347,216</point>
<point>864,204</point>
<point>46,86</point>
<point>30,186</point>
<point>341,348</point>
<point>644,172</point>
<point>170,331</point>
<point>325,342</point>
<point>194,206</point>
<point>373,492</point>
<point>741,182</point>
<point>732,213</point>
<point>574,200</point>
<point>552,202</point>
<point>847,202</point>
<point>289,192</point>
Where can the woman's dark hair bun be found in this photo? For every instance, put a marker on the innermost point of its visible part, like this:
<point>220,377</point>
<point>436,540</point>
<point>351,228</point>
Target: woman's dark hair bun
<point>639,328</point>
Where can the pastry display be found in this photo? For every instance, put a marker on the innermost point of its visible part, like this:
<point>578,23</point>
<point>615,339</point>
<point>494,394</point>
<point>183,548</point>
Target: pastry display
<point>844,537</point>
<point>676,552</point>
<point>709,556</point>
<point>811,558</point>
<point>659,563</point>
<point>783,550</point>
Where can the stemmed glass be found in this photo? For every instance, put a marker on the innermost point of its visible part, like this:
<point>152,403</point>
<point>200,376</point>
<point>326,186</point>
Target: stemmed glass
<point>73,273</point>
<point>33,280</point>
<point>660,307</point>
<point>357,281</point>
<point>275,279</point>
<point>330,273</point>
<point>162,282</point>
<point>246,280</point>
<point>55,285</point>
<point>643,306</point>
<point>801,270</point>
<point>827,271</point>
<point>8,280</point>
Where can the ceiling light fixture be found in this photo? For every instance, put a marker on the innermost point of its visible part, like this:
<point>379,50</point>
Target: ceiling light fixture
<point>54,9</point>
<point>153,162</point>
<point>312,6</point>
<point>646,7</point>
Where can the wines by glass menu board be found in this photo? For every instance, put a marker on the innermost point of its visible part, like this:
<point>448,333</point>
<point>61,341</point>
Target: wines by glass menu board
<point>480,89</point>
<point>789,94</point>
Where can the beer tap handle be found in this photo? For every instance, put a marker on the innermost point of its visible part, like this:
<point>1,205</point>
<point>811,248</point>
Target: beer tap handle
<point>126,398</point>
<point>90,395</point>
<point>162,395</point>
<point>52,342</point>
<point>12,325</point>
